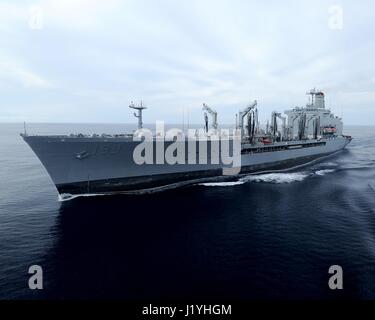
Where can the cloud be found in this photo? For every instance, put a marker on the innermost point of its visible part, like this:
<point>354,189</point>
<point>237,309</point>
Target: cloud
<point>18,74</point>
<point>100,55</point>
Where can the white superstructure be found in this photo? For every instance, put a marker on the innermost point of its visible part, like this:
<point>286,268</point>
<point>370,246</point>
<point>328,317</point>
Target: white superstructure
<point>314,115</point>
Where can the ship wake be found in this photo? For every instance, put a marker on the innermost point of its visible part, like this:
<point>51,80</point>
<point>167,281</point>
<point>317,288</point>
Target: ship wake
<point>67,196</point>
<point>277,177</point>
<point>222,184</point>
<point>324,172</point>
<point>266,177</point>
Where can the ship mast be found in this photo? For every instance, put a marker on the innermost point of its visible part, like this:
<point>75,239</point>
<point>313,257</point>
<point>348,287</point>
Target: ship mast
<point>138,115</point>
<point>312,92</point>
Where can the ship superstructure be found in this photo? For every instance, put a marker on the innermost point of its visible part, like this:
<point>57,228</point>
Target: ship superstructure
<point>81,164</point>
<point>316,117</point>
<point>300,123</point>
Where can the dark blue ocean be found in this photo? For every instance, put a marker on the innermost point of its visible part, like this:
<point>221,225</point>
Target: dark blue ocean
<point>270,236</point>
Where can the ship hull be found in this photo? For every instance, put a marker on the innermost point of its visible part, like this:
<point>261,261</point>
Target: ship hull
<point>107,165</point>
<point>158,181</point>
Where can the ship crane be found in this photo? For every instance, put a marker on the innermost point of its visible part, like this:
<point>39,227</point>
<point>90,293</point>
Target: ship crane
<point>213,114</point>
<point>138,115</point>
<point>256,118</point>
<point>302,126</point>
<point>242,114</point>
<point>276,115</point>
<point>316,124</point>
<point>291,126</point>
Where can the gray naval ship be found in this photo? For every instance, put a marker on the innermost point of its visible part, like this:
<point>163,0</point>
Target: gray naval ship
<point>81,164</point>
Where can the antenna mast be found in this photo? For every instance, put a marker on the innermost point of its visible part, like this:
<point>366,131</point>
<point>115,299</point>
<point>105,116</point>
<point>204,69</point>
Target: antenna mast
<point>138,115</point>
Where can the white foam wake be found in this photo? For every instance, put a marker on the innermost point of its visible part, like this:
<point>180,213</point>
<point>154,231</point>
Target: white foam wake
<point>323,172</point>
<point>265,178</point>
<point>222,184</point>
<point>330,164</point>
<point>325,165</point>
<point>67,196</point>
<point>277,177</point>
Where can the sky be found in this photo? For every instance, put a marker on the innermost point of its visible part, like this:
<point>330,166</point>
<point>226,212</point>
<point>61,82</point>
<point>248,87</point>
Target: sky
<point>85,61</point>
